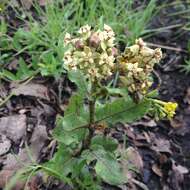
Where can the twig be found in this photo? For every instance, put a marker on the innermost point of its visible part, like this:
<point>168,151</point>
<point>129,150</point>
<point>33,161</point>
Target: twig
<point>167,47</point>
<point>158,78</point>
<point>140,184</point>
<point>12,94</point>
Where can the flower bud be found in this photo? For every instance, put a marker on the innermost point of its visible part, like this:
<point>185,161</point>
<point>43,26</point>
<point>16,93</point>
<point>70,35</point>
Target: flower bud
<point>114,51</point>
<point>94,40</point>
<point>79,44</point>
<point>158,54</point>
<point>140,42</point>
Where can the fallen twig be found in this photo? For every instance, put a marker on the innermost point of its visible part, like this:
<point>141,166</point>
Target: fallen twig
<point>167,47</point>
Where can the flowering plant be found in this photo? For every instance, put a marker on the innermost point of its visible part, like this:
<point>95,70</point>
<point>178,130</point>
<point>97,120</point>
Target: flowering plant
<point>86,153</point>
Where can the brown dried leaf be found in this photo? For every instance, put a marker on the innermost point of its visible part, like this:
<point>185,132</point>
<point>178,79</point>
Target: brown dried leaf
<point>161,145</point>
<point>5,145</point>
<point>187,97</point>
<point>131,158</point>
<point>27,4</point>
<point>42,2</point>
<point>176,176</point>
<point>157,170</point>
<point>181,169</point>
<point>13,127</point>
<point>148,123</point>
<point>11,164</point>
<point>134,158</point>
<point>36,90</point>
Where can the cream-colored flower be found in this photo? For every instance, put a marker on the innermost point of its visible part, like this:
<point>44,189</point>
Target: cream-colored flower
<point>139,60</point>
<point>67,39</point>
<point>84,29</point>
<point>91,52</point>
<point>134,67</point>
<point>140,42</point>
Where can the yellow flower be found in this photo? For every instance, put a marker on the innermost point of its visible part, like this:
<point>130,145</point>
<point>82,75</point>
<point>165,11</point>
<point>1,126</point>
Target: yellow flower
<point>170,109</point>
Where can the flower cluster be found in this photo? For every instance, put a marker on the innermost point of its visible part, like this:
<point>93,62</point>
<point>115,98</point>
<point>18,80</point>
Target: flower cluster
<point>137,63</point>
<point>165,109</point>
<point>92,52</point>
<point>169,108</point>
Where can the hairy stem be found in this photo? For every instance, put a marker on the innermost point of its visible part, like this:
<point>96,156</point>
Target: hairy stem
<point>87,141</point>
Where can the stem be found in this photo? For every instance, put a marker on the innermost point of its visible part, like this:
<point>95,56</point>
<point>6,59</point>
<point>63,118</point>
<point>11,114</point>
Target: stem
<point>87,141</point>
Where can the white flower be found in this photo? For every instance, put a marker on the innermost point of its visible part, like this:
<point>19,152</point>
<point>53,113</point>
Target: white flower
<point>140,42</point>
<point>84,29</point>
<point>91,52</point>
<point>67,39</point>
<point>139,60</point>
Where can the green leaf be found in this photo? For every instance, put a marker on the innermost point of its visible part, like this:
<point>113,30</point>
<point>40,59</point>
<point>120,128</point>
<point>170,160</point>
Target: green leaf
<point>109,143</point>
<point>108,168</point>
<point>9,75</point>
<point>69,129</point>
<point>153,94</point>
<point>72,121</point>
<point>75,105</point>
<point>121,110</point>
<point>78,78</point>
<point>59,166</point>
<point>119,91</point>
<point>23,71</point>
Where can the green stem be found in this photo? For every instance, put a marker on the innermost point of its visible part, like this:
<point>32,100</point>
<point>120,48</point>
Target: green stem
<point>87,141</point>
<point>6,99</point>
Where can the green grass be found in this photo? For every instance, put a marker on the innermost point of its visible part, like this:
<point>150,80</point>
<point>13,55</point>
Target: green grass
<point>38,42</point>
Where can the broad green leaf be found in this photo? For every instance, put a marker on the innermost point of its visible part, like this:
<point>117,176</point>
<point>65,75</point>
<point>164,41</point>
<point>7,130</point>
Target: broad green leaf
<point>78,78</point>
<point>121,110</point>
<point>108,168</point>
<point>76,105</point>
<point>69,129</point>
<point>72,121</point>
<point>109,143</point>
<point>59,166</point>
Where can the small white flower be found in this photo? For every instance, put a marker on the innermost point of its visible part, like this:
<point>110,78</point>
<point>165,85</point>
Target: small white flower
<point>84,29</point>
<point>140,42</point>
<point>91,52</point>
<point>67,39</point>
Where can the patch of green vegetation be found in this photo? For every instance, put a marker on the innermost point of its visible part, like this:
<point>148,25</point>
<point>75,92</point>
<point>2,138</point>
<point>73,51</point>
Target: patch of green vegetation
<point>39,40</point>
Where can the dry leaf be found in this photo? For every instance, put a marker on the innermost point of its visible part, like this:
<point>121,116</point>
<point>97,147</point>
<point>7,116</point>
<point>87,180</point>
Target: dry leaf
<point>36,90</point>
<point>13,127</point>
<point>131,158</point>
<point>5,145</point>
<point>27,4</point>
<point>11,164</point>
<point>161,145</point>
<point>157,170</point>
